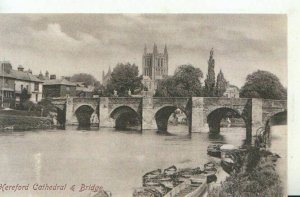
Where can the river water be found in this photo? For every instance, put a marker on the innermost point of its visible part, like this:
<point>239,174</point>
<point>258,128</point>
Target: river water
<point>113,159</point>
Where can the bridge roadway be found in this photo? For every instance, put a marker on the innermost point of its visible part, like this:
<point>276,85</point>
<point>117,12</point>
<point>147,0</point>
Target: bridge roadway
<point>202,113</point>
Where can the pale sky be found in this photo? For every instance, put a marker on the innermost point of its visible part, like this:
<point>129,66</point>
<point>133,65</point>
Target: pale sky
<point>65,44</point>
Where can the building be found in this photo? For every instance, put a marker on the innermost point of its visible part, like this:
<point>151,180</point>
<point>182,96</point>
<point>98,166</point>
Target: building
<point>7,85</point>
<point>83,90</point>
<point>14,81</point>
<point>232,92</point>
<point>43,77</point>
<point>106,77</point>
<point>155,68</point>
<point>57,88</point>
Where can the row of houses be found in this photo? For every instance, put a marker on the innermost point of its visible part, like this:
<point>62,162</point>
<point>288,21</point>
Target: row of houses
<point>14,81</point>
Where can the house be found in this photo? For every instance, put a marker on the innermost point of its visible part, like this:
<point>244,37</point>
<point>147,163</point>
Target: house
<point>13,83</point>
<point>55,88</point>
<point>25,79</point>
<point>7,86</point>
<point>83,90</point>
<point>232,92</point>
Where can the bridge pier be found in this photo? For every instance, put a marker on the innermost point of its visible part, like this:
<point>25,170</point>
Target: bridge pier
<point>256,117</point>
<point>198,118</point>
<point>69,111</point>
<point>104,113</point>
<point>148,114</point>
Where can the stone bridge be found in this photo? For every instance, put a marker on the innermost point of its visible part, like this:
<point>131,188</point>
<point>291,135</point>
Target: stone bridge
<point>203,113</point>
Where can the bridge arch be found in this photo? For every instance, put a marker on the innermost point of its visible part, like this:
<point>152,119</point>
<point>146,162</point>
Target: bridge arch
<point>275,118</point>
<point>163,114</point>
<point>83,114</point>
<point>215,116</point>
<point>126,117</point>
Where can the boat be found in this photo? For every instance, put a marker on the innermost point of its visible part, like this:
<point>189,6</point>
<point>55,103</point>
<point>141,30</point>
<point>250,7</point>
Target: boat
<point>209,166</point>
<point>173,182</point>
<point>210,171</point>
<point>193,187</point>
<point>170,170</point>
<point>214,150</point>
<point>228,157</point>
<point>146,192</point>
<point>103,194</point>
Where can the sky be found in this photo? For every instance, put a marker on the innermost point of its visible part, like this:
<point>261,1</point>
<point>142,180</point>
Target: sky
<point>65,44</point>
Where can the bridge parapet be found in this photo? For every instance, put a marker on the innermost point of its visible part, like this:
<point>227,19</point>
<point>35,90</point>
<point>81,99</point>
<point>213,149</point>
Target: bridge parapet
<point>174,101</point>
<point>223,101</point>
<point>274,104</point>
<point>124,100</point>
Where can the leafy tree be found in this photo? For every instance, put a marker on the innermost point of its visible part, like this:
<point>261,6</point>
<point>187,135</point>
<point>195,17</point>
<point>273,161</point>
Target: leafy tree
<point>28,105</point>
<point>124,77</point>
<point>24,96</point>
<point>88,79</point>
<point>263,84</point>
<point>185,82</point>
<point>221,84</point>
<point>46,106</point>
<point>209,87</point>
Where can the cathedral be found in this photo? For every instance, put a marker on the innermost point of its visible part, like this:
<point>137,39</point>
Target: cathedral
<point>155,68</point>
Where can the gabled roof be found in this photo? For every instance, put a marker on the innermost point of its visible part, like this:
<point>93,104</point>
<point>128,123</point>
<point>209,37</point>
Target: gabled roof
<point>24,76</point>
<point>20,75</point>
<point>8,75</point>
<point>59,82</point>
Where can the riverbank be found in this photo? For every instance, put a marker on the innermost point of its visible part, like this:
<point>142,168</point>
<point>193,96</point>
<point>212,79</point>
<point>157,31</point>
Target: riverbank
<point>257,177</point>
<point>15,122</point>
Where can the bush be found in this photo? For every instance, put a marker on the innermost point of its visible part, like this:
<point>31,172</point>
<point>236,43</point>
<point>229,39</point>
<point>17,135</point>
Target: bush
<point>259,178</point>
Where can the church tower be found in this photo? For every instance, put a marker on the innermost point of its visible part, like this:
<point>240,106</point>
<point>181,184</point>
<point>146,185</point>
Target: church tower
<point>155,67</point>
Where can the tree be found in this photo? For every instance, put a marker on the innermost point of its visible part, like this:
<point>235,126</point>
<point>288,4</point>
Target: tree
<point>24,96</point>
<point>209,87</point>
<point>28,105</point>
<point>124,78</point>
<point>185,82</point>
<point>88,79</point>
<point>221,84</point>
<point>263,84</point>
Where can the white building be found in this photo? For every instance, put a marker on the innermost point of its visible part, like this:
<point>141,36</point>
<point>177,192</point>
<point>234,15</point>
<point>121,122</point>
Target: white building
<point>24,79</point>
<point>232,92</point>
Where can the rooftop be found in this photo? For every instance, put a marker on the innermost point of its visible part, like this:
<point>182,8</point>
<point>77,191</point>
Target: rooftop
<point>59,82</point>
<point>20,75</point>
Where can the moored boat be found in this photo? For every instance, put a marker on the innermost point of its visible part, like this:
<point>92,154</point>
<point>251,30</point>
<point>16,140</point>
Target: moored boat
<point>214,150</point>
<point>170,170</point>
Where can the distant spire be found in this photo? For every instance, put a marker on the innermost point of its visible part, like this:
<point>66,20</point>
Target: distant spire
<point>154,48</point>
<point>166,50</point>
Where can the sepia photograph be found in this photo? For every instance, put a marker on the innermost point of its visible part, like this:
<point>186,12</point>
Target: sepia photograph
<point>143,105</point>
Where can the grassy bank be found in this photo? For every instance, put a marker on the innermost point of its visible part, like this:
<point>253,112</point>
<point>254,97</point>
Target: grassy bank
<point>256,178</point>
<point>24,122</point>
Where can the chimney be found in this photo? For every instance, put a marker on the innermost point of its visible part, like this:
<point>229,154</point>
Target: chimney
<point>6,66</point>
<point>47,74</point>
<point>52,76</point>
<point>29,71</point>
<point>21,68</point>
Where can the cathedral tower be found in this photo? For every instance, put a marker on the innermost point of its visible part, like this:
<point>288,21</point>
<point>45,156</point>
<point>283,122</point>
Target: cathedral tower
<point>155,67</point>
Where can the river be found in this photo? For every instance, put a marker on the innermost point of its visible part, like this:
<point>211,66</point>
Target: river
<point>113,159</point>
